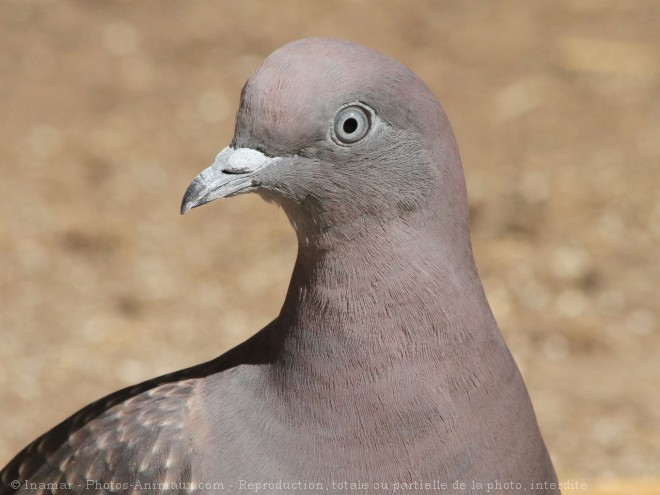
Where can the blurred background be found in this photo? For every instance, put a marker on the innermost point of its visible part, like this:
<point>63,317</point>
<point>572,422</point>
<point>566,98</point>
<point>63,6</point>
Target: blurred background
<point>109,109</point>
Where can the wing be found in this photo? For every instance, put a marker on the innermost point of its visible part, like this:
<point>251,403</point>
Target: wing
<point>140,436</point>
<point>134,437</point>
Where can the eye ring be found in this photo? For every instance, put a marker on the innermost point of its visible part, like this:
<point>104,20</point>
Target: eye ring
<point>351,124</point>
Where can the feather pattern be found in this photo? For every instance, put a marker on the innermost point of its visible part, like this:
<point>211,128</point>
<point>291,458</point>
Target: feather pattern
<point>385,364</point>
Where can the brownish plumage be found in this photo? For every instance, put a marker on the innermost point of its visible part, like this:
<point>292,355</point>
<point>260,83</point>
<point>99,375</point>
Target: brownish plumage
<point>385,364</point>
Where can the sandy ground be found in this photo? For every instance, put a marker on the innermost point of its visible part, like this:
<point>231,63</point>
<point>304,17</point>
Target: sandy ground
<point>110,109</point>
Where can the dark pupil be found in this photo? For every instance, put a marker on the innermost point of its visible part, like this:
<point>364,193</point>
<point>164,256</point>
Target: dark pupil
<point>350,125</point>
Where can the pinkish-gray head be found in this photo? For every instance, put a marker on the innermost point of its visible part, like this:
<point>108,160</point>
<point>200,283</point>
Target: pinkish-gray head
<point>337,133</point>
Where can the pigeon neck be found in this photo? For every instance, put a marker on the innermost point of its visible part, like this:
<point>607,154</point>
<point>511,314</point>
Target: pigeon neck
<point>396,289</point>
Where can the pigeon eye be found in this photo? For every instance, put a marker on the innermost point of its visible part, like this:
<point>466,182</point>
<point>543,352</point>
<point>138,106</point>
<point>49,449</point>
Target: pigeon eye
<point>352,124</point>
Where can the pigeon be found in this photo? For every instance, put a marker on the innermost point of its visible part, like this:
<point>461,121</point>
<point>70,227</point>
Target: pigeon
<point>385,370</point>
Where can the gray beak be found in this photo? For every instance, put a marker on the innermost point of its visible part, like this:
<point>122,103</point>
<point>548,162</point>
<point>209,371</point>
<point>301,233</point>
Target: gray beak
<point>232,173</point>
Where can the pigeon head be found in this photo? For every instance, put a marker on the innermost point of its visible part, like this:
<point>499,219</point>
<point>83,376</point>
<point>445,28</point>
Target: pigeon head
<point>339,135</point>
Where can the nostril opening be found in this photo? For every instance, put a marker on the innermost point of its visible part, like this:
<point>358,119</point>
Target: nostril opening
<point>235,167</point>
